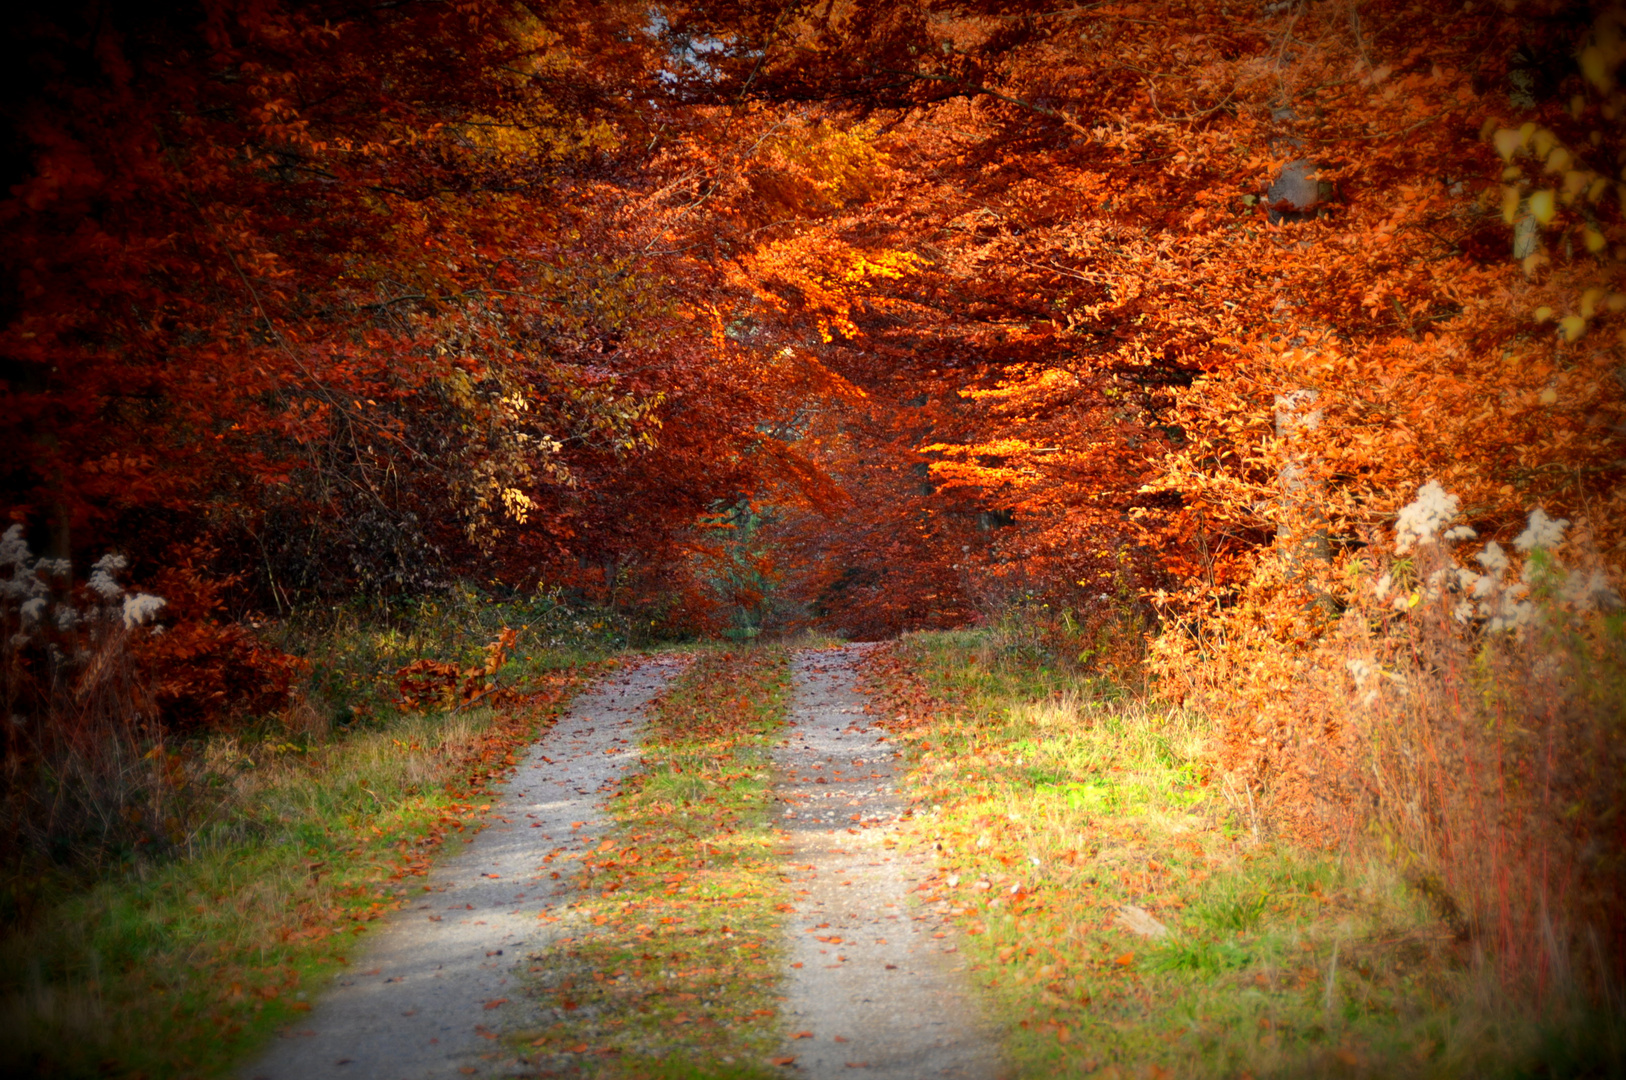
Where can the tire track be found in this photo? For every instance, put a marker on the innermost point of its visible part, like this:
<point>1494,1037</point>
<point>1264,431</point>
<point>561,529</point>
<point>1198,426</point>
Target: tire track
<point>876,987</point>
<point>423,997</point>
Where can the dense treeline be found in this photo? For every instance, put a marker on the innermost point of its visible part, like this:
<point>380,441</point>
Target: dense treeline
<point>1133,317</point>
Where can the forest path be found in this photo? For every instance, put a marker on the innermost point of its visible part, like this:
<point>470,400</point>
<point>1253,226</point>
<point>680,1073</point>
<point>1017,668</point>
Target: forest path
<point>876,987</point>
<point>418,1000</point>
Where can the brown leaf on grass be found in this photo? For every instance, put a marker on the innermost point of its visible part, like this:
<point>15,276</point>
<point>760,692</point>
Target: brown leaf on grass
<point>782,1061</point>
<point>1140,921</point>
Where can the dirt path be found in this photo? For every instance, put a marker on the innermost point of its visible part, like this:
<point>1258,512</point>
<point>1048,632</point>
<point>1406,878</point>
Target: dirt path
<point>418,1000</point>
<point>877,987</point>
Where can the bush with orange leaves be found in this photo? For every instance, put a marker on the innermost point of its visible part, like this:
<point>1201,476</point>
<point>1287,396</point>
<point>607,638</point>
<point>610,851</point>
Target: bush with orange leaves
<point>1462,711</point>
<point>206,670</point>
<point>426,683</point>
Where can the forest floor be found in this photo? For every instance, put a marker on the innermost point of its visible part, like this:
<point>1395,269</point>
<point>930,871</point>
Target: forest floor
<point>933,858</point>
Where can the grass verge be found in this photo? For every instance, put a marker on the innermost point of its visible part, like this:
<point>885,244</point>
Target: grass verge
<point>1063,815</point>
<point>180,968</point>
<point>668,966</point>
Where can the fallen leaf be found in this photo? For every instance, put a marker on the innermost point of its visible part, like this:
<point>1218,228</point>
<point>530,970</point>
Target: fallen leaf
<point>782,1061</point>
<point>802,1035</point>
<point>496,1003</point>
<point>1141,921</point>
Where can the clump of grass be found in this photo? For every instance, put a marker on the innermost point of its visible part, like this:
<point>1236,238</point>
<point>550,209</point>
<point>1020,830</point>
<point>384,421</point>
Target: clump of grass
<point>669,966</point>
<point>1053,806</point>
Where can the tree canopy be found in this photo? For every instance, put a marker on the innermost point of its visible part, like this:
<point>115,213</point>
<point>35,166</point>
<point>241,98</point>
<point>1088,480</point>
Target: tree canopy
<point>957,304</point>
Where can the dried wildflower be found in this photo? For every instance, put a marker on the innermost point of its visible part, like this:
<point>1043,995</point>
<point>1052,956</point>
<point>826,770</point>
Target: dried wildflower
<point>101,577</point>
<point>1590,591</point>
<point>1542,532</point>
<point>1493,559</point>
<point>1421,518</point>
<point>139,608</point>
<point>13,548</point>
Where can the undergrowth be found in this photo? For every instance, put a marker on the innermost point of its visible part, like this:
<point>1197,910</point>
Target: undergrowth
<point>178,963</point>
<point>669,965</point>
<point>1063,816</point>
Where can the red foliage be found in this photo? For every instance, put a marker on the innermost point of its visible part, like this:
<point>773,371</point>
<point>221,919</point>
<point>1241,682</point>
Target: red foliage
<point>207,669</point>
<point>427,683</point>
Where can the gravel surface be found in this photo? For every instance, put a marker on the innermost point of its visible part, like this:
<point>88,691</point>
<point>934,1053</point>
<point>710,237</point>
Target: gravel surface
<point>418,999</point>
<point>877,987</point>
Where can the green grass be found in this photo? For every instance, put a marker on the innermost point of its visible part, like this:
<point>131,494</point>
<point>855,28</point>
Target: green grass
<point>318,823</point>
<point>669,967</point>
<point>1053,801</point>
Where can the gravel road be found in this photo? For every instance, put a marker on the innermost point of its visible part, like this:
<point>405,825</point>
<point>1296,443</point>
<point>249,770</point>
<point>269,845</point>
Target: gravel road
<point>877,987</point>
<point>417,1000</point>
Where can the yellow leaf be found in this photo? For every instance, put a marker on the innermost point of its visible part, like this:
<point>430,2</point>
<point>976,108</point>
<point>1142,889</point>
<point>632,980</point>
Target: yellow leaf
<point>1510,204</point>
<point>1573,326</point>
<point>1543,206</point>
<point>1597,69</point>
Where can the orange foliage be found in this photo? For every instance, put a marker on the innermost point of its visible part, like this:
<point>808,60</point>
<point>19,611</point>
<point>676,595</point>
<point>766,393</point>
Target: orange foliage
<point>426,683</point>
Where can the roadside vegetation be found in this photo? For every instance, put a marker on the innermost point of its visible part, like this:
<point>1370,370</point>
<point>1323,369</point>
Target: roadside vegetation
<point>175,954</point>
<point>1133,913</point>
<point>669,964</point>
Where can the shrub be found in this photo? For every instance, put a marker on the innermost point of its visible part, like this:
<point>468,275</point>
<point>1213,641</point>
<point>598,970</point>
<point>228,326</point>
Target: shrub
<point>1464,713</point>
